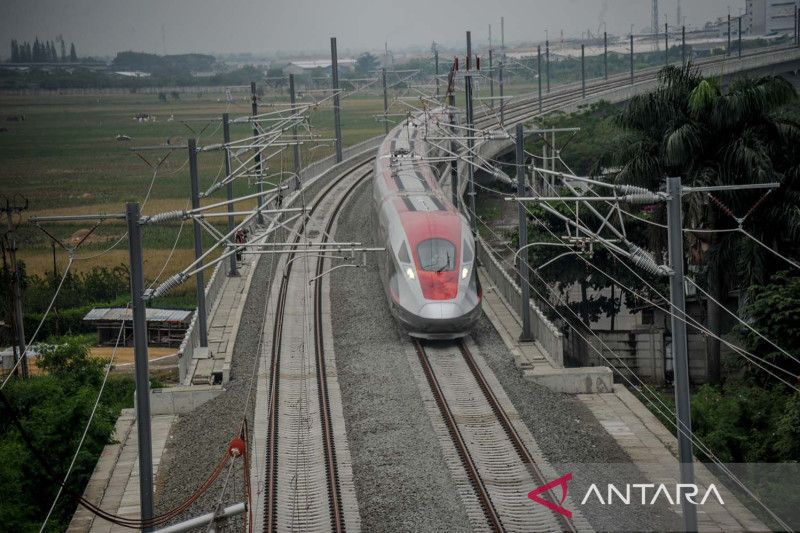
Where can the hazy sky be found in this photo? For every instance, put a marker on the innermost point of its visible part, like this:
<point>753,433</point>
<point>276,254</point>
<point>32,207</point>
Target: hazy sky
<point>103,27</point>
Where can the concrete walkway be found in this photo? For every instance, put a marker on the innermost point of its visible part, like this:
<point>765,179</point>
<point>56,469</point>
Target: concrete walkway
<point>114,485</point>
<point>531,358</point>
<point>213,367</point>
<point>654,450</point>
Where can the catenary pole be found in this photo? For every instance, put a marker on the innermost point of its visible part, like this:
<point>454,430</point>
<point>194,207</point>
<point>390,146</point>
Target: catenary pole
<point>547,62</point>
<point>337,122</point>
<point>385,101</point>
<point>525,335</point>
<point>257,159</point>
<point>605,55</point>
<point>233,270</point>
<point>132,215</point>
<point>502,99</point>
<point>295,146</point>
<point>679,345</point>
<point>202,327</point>
<point>436,68</point>
<point>666,44</point>
<point>451,100</point>
<point>470,139</point>
<point>583,71</point>
<point>631,59</point>
<point>728,51</point>
<point>491,80</point>
<point>683,45</point>
<point>740,37</point>
<point>539,73</point>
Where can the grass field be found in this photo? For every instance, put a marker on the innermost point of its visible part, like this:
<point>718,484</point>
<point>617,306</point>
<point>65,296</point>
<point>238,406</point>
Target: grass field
<point>64,157</point>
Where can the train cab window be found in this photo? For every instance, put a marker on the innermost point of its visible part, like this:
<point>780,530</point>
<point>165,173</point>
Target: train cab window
<point>467,252</point>
<point>402,255</point>
<point>437,255</point>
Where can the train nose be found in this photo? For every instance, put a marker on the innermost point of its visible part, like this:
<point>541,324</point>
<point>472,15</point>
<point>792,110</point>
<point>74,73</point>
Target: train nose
<point>439,311</point>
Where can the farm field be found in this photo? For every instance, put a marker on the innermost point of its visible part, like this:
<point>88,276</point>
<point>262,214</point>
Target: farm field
<point>64,157</point>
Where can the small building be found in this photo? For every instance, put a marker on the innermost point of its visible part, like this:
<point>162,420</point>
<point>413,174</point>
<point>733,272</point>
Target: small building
<point>165,327</point>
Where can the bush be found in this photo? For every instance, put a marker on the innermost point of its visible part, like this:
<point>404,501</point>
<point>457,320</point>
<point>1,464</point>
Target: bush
<point>52,410</point>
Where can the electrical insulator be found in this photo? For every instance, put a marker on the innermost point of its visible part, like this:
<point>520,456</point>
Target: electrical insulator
<point>468,62</point>
<point>477,62</point>
<point>455,63</point>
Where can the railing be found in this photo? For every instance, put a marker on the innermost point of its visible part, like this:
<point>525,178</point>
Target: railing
<point>544,332</point>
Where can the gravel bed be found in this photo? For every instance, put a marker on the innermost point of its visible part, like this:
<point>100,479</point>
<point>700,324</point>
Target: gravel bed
<point>200,438</point>
<point>571,437</point>
<point>402,481</point>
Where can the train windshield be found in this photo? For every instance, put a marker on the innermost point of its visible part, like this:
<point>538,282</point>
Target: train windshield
<point>437,255</point>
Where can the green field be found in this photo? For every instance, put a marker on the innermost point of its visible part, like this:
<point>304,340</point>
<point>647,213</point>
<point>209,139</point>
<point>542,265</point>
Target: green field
<point>64,157</point>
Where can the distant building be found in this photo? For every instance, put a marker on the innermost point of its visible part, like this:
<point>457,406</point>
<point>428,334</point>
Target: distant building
<point>165,327</point>
<point>301,67</point>
<point>765,17</point>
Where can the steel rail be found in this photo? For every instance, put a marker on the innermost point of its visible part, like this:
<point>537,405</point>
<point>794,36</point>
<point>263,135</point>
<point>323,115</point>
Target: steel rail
<point>271,495</point>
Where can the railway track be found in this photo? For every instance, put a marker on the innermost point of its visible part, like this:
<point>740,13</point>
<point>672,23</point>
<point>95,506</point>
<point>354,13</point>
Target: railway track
<point>493,452</point>
<point>303,479</point>
<point>526,106</point>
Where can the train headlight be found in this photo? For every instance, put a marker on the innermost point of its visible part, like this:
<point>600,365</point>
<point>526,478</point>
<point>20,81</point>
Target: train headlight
<point>464,272</point>
<point>410,274</point>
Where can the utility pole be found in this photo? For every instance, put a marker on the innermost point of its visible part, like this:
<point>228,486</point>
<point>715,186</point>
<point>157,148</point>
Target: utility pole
<point>226,138</point>
<point>337,122</point>
<point>55,280</point>
<point>132,216</point>
<point>547,62</point>
<point>583,71</point>
<point>631,59</point>
<point>679,344</point>
<point>471,134</point>
<point>257,160</point>
<point>666,44</point>
<point>296,146</point>
<point>683,45</point>
<point>491,78</point>
<point>10,210</point>
<point>198,246</point>
<point>605,55</point>
<point>539,72</point>
<point>525,335</point>
<point>385,102</point>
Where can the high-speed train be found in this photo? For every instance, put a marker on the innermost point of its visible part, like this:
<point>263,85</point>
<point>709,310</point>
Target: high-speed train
<point>429,267</point>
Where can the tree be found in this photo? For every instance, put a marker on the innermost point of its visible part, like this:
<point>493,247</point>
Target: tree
<point>366,63</point>
<point>14,51</point>
<point>63,49</point>
<point>690,127</point>
<point>73,57</point>
<point>52,410</point>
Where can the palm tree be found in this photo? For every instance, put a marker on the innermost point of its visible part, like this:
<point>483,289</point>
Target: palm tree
<point>690,127</point>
